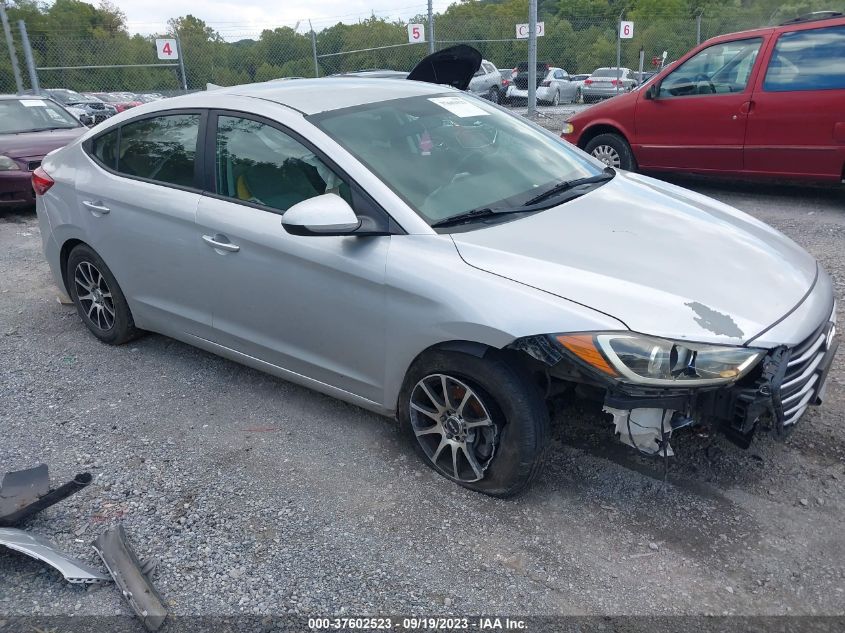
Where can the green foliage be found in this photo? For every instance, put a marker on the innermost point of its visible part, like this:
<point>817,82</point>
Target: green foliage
<point>580,36</point>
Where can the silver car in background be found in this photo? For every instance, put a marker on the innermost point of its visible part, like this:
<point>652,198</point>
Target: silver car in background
<point>553,85</point>
<point>424,254</point>
<point>604,83</point>
<point>487,82</point>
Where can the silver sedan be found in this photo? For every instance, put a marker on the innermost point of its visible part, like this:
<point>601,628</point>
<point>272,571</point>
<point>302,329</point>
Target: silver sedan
<point>424,254</point>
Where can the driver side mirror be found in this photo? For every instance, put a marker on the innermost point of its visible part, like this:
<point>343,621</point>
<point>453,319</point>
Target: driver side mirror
<point>653,91</point>
<point>328,214</point>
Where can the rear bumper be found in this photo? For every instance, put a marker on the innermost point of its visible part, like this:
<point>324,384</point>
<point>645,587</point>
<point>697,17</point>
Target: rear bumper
<point>602,93</point>
<point>16,189</point>
<point>544,93</point>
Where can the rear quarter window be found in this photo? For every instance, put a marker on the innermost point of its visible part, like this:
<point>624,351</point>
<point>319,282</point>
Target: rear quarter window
<point>104,148</point>
<point>808,60</point>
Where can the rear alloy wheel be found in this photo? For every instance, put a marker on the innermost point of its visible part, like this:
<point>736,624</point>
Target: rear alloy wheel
<point>579,96</point>
<point>612,150</point>
<point>556,99</point>
<point>495,445</point>
<point>98,299</point>
<point>494,95</point>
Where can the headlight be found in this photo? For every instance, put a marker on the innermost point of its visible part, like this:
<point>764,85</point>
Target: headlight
<point>7,164</point>
<point>568,128</point>
<point>648,360</point>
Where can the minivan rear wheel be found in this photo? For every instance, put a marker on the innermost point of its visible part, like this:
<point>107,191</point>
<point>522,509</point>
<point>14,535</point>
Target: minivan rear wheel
<point>613,150</point>
<point>98,298</point>
<point>475,421</point>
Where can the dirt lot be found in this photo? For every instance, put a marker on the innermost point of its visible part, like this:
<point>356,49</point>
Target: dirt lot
<point>262,497</point>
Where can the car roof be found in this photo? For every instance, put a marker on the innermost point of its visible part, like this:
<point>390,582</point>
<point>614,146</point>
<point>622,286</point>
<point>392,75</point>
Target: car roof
<point>311,96</point>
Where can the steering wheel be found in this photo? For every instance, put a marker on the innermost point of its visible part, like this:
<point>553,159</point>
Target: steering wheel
<point>465,163</point>
<point>702,78</point>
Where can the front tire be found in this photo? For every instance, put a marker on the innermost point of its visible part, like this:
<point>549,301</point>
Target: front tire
<point>494,96</point>
<point>476,421</point>
<point>99,300</point>
<point>613,150</point>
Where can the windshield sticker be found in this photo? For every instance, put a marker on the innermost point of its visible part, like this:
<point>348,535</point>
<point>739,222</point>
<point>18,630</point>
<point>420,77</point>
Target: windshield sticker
<point>33,103</point>
<point>458,106</point>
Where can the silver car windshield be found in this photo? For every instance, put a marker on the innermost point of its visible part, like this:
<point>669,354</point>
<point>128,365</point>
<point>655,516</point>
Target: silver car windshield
<point>449,154</point>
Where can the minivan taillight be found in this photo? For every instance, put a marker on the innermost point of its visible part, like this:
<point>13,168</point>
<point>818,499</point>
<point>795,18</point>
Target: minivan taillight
<point>41,181</point>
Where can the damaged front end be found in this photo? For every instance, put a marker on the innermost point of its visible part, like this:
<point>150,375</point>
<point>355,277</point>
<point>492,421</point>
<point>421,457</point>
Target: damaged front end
<point>653,387</point>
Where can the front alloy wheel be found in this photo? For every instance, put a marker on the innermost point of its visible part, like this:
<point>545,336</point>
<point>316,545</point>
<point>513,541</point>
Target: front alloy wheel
<point>453,426</point>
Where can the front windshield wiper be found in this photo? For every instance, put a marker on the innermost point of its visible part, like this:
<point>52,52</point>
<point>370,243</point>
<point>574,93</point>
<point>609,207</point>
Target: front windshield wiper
<point>566,185</point>
<point>533,205</point>
<point>45,129</point>
<point>484,212</point>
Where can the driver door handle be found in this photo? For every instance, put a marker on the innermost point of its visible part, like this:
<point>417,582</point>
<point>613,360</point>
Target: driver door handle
<point>212,241</point>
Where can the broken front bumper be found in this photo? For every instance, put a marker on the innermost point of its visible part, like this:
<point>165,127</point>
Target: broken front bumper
<point>777,393</point>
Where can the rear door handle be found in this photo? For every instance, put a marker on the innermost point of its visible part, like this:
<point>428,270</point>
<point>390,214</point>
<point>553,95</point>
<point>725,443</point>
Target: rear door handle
<point>214,242</point>
<point>96,207</point>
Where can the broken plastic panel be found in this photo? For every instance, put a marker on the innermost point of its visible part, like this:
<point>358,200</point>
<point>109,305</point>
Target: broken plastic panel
<point>25,492</point>
<point>40,548</point>
<point>131,576</point>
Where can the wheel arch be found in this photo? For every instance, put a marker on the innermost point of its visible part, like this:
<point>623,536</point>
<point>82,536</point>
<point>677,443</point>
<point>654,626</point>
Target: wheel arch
<point>64,255</point>
<point>601,128</point>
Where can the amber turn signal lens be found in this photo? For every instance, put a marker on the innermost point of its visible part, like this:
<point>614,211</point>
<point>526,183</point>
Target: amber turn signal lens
<point>583,346</point>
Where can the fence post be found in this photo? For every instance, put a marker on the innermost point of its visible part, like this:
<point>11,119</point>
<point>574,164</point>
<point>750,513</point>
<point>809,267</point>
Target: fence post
<point>314,50</point>
<point>642,61</point>
<point>618,48</point>
<point>30,61</point>
<point>181,63</point>
<point>430,26</point>
<point>11,44</point>
<point>698,28</point>
<point>532,57</point>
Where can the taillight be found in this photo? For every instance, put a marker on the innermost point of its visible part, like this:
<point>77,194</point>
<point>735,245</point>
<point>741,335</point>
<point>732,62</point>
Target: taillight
<point>546,83</point>
<point>41,181</point>
<point>587,82</point>
<point>613,82</point>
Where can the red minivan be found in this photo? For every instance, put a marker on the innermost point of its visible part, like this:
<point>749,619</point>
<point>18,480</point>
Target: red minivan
<point>768,102</point>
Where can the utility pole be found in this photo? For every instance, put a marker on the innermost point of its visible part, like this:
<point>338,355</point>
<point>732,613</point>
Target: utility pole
<point>314,50</point>
<point>430,26</point>
<point>11,44</point>
<point>532,57</point>
<point>30,60</point>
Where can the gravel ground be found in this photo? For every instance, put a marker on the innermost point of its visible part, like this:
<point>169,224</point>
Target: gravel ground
<point>262,497</point>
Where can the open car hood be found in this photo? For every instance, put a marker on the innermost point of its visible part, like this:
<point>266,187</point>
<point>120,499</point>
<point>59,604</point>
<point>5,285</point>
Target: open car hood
<point>453,66</point>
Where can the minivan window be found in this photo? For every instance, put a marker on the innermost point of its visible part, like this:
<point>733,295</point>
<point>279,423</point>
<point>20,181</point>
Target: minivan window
<point>261,164</point>
<point>718,69</point>
<point>808,60</point>
<point>161,148</point>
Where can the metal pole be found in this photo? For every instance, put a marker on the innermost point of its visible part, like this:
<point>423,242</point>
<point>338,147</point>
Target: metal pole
<point>618,49</point>
<point>181,63</point>
<point>430,27</point>
<point>698,29</point>
<point>642,60</point>
<point>532,57</point>
<point>314,50</point>
<point>11,44</point>
<point>30,61</point>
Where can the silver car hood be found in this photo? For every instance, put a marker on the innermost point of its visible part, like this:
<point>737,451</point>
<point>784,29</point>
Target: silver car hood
<point>663,260</point>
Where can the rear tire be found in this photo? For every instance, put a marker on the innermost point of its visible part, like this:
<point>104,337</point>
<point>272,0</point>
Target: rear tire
<point>500,458</point>
<point>613,150</point>
<point>494,96</point>
<point>98,298</point>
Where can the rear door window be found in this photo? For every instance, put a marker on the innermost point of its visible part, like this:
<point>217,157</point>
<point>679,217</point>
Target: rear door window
<point>161,148</point>
<point>808,60</point>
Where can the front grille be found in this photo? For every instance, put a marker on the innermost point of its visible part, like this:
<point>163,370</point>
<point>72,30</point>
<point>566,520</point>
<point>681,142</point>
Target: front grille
<point>33,165</point>
<point>803,373</point>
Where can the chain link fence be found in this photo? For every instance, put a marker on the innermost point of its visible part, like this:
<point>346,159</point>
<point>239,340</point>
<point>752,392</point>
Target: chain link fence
<point>116,61</point>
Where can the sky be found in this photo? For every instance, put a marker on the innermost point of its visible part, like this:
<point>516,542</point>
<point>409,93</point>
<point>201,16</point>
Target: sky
<point>247,18</point>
